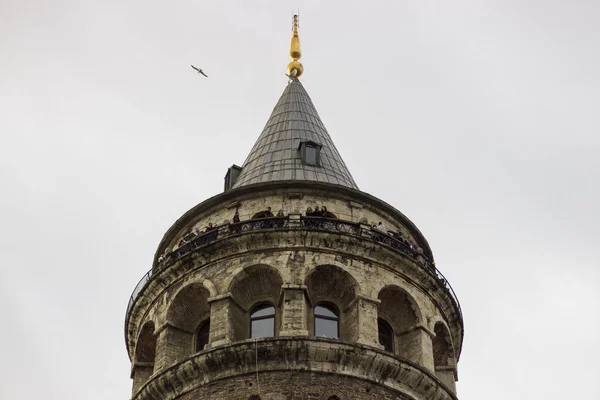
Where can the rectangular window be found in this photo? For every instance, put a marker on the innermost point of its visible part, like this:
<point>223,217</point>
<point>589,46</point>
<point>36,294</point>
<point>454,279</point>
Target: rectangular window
<point>310,155</point>
<point>326,328</point>
<point>263,328</point>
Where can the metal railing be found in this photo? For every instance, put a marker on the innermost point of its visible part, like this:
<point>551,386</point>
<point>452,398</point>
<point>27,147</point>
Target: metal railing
<point>259,224</point>
<point>389,239</point>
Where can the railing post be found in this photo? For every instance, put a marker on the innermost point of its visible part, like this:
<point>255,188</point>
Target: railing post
<point>294,220</point>
<point>223,230</point>
<point>420,258</point>
<point>365,229</point>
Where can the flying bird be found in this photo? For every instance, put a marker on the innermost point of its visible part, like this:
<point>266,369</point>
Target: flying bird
<point>200,71</point>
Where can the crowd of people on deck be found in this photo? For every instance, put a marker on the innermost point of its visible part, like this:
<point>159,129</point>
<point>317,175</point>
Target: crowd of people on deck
<point>396,235</point>
<point>323,213</point>
<point>267,213</point>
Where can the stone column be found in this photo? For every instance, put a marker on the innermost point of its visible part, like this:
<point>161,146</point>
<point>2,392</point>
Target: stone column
<point>228,321</point>
<point>361,321</point>
<point>140,373</point>
<point>448,374</point>
<point>415,344</point>
<point>294,311</point>
<point>172,344</point>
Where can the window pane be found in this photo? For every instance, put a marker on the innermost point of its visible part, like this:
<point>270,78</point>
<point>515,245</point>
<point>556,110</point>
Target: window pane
<point>263,311</point>
<point>263,328</point>
<point>310,154</point>
<point>326,328</point>
<point>325,312</point>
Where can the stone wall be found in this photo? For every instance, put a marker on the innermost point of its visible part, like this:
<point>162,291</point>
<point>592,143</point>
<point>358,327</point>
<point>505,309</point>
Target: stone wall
<point>294,369</point>
<point>293,386</point>
<point>294,282</point>
<point>294,270</point>
<point>292,201</point>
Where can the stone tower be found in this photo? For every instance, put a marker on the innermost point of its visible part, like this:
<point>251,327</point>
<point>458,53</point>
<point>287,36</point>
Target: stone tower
<point>256,294</point>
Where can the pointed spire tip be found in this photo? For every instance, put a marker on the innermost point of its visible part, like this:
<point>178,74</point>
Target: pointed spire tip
<point>295,68</point>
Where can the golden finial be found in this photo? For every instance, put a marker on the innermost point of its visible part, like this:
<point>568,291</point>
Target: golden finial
<point>295,69</point>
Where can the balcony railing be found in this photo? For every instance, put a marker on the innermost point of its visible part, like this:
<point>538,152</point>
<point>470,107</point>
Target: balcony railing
<point>390,239</point>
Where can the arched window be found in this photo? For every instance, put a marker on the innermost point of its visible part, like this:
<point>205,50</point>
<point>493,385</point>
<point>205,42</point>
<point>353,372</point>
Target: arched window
<point>333,398</point>
<point>441,346</point>
<point>254,397</point>
<point>327,321</point>
<point>202,335</point>
<point>262,321</point>
<point>386,335</point>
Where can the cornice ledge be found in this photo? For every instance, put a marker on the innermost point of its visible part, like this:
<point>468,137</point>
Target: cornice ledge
<point>301,354</point>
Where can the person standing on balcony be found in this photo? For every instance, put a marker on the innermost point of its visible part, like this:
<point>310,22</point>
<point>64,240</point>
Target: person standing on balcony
<point>326,213</point>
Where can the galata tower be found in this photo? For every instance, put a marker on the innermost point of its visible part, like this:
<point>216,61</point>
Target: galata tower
<point>293,284</point>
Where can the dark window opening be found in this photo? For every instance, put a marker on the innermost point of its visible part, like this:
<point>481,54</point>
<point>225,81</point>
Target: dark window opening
<point>231,176</point>
<point>310,153</point>
<point>327,322</point>
<point>202,335</point>
<point>386,335</point>
<point>262,321</point>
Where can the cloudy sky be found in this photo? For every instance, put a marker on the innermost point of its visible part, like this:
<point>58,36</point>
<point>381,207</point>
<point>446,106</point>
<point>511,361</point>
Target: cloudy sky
<point>477,119</point>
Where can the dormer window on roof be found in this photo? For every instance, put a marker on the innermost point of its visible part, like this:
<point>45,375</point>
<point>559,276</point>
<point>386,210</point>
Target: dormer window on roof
<point>310,153</point>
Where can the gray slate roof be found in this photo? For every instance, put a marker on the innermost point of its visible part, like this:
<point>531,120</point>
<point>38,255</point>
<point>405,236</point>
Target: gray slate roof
<point>275,154</point>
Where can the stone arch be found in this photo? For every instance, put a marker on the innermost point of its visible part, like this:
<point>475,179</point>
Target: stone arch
<point>188,311</point>
<point>401,312</point>
<point>189,307</point>
<point>145,349</point>
<point>144,356</point>
<point>210,286</point>
<point>442,347</point>
<point>400,307</point>
<point>433,320</point>
<point>331,284</point>
<point>254,285</point>
<point>443,355</point>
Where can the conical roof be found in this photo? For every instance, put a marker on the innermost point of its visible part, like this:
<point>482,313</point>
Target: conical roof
<point>276,156</point>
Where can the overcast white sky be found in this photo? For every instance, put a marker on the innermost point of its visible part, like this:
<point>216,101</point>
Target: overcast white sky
<point>477,119</point>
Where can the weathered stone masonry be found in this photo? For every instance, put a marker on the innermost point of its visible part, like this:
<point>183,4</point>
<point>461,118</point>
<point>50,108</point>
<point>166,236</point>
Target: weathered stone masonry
<point>294,269</point>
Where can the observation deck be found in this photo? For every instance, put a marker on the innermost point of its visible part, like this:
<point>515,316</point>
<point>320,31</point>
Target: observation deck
<point>292,223</point>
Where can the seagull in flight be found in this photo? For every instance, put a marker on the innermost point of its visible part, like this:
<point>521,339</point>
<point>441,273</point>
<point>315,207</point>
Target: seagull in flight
<point>200,71</point>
